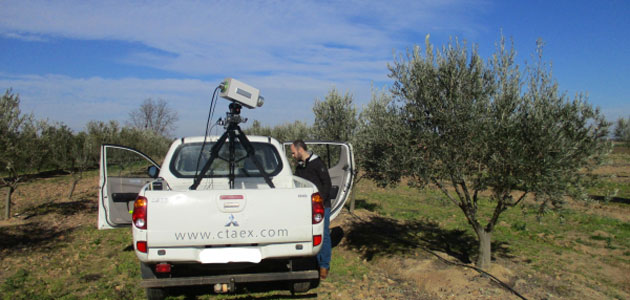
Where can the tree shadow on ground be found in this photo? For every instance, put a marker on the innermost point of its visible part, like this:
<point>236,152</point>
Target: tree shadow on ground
<point>85,204</point>
<point>42,236</point>
<point>336,235</point>
<point>40,175</point>
<point>362,203</point>
<point>613,199</point>
<point>61,208</point>
<point>34,235</point>
<point>380,236</point>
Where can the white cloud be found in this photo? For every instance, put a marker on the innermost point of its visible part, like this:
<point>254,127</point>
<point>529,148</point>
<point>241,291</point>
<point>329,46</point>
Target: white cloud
<point>243,36</point>
<point>23,37</point>
<point>75,101</point>
<point>294,51</point>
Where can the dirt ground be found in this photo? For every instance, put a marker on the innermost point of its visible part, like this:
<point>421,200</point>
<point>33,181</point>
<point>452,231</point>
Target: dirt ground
<point>419,274</point>
<point>397,262</point>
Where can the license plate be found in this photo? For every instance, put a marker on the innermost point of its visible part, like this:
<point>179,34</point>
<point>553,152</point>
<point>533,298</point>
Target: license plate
<point>231,254</point>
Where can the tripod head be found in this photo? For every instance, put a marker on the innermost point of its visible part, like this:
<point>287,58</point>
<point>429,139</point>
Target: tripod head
<point>233,117</point>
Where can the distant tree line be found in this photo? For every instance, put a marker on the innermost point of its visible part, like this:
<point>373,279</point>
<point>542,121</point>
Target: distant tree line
<point>29,146</point>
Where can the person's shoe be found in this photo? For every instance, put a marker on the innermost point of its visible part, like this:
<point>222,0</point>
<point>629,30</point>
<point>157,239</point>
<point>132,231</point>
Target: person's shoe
<point>323,273</point>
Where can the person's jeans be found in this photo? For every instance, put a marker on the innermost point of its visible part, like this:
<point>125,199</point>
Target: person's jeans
<point>323,257</point>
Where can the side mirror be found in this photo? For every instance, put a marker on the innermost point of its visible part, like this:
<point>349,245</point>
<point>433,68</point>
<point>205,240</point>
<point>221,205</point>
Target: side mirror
<point>153,171</point>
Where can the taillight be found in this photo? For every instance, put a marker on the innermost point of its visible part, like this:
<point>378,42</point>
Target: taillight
<point>317,239</point>
<point>162,268</point>
<point>139,215</point>
<point>141,246</point>
<point>318,208</point>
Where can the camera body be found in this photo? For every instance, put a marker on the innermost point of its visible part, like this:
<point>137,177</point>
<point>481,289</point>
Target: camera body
<point>242,93</point>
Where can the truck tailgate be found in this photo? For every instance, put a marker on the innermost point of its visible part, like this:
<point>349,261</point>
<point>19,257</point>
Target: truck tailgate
<point>228,217</point>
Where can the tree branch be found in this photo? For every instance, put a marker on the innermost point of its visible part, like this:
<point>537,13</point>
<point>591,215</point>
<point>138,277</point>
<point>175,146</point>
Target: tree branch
<point>441,187</point>
<point>495,215</point>
<point>466,209</point>
<point>519,199</point>
<point>459,194</point>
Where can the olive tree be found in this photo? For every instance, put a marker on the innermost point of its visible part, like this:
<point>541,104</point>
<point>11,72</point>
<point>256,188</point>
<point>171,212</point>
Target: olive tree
<point>80,150</point>
<point>292,131</point>
<point>469,126</point>
<point>335,117</point>
<point>381,140</point>
<point>258,129</point>
<point>63,150</point>
<point>18,145</point>
<point>622,130</point>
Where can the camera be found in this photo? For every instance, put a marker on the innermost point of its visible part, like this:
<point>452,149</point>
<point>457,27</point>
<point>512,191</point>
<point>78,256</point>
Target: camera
<point>242,93</point>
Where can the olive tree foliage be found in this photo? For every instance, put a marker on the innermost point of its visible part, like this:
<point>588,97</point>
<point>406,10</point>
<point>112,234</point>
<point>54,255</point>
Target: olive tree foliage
<point>64,150</point>
<point>258,128</point>
<point>381,140</point>
<point>283,133</point>
<point>155,116</point>
<point>18,145</point>
<point>55,140</point>
<point>145,140</point>
<point>469,126</point>
<point>335,117</point>
<point>622,131</point>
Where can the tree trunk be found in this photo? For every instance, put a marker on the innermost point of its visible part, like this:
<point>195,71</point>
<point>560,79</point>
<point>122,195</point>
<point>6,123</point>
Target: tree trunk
<point>74,185</point>
<point>485,249</point>
<point>7,205</point>
<point>352,202</point>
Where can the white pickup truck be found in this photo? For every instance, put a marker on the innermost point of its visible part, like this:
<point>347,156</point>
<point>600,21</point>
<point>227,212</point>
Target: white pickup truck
<point>219,235</point>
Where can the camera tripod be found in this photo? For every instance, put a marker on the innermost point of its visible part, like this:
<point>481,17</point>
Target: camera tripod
<point>232,132</point>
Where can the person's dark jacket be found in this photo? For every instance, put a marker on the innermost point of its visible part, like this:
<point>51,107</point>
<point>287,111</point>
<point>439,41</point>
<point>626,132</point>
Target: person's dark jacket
<point>314,170</point>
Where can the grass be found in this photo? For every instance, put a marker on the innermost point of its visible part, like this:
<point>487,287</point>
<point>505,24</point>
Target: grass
<point>544,241</point>
<point>89,264</point>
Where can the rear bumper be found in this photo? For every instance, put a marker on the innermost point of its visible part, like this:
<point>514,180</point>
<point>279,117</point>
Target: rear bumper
<point>230,279</point>
<point>208,255</point>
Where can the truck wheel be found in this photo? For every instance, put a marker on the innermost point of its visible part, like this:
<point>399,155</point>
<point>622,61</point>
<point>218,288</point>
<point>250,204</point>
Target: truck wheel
<point>155,294</point>
<point>152,293</point>
<point>303,286</point>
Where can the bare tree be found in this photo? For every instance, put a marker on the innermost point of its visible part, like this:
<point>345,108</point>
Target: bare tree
<point>156,116</point>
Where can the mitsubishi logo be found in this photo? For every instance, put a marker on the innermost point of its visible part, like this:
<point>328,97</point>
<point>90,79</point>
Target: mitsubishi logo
<point>231,222</point>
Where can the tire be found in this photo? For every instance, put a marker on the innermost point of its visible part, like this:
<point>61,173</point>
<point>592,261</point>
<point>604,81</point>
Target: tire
<point>152,293</point>
<point>300,286</point>
<point>303,264</point>
<point>155,293</point>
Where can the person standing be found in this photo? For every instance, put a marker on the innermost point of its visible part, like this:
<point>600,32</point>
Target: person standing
<point>313,169</point>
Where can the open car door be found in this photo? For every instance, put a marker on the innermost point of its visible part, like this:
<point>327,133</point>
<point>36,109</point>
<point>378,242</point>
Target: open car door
<point>339,159</point>
<point>123,172</point>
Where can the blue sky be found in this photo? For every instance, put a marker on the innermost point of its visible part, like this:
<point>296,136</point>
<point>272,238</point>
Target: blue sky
<point>76,61</point>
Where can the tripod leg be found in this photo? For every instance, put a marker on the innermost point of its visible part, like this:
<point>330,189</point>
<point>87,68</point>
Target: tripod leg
<point>251,153</point>
<point>232,160</point>
<point>214,153</point>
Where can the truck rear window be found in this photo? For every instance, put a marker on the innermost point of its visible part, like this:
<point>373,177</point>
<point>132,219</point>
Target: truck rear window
<point>184,161</point>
